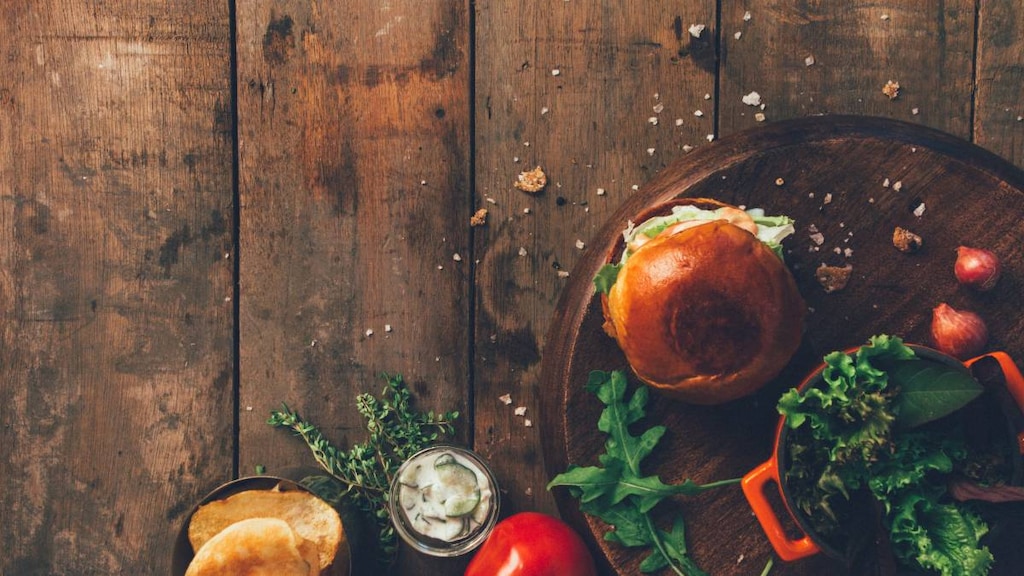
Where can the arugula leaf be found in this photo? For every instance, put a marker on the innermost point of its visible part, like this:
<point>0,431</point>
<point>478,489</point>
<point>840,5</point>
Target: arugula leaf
<point>618,493</point>
<point>930,390</point>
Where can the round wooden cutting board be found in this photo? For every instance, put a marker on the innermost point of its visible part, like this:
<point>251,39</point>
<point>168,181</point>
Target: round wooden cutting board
<point>852,180</point>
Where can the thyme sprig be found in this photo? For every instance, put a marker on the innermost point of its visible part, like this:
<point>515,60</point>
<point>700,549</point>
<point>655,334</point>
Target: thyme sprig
<point>362,475</point>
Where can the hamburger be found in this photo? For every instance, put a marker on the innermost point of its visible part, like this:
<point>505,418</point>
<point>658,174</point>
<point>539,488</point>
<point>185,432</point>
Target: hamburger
<point>700,301</point>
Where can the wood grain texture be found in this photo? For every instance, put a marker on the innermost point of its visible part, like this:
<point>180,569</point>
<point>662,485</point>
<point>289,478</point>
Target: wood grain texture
<point>856,47</point>
<point>115,211</point>
<point>573,88</point>
<point>355,258</point>
<point>999,107</point>
<point>890,292</point>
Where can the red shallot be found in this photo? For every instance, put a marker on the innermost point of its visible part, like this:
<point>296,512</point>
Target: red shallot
<point>977,268</point>
<point>958,333</point>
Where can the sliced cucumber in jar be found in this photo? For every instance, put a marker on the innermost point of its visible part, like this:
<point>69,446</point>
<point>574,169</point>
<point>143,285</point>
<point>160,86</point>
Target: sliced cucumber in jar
<point>462,489</point>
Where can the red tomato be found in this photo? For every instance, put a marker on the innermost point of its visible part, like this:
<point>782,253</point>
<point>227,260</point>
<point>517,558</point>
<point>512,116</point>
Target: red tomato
<point>532,544</point>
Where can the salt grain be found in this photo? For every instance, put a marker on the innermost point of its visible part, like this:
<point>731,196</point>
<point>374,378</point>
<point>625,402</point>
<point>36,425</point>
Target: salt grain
<point>698,113</point>
<point>522,251</point>
<point>828,198</point>
<point>679,121</point>
<point>737,35</point>
<point>897,186</point>
<point>529,424</point>
<point>457,257</point>
<point>544,110</point>
<point>885,183</point>
<point>369,332</point>
<point>387,327</point>
<point>650,151</point>
<point>752,99</point>
<point>563,273</point>
<point>746,16</point>
<point>658,108</point>
<point>696,30</point>
<point>653,120</point>
<point>809,61</point>
<point>580,245</point>
<point>687,147</point>
<point>710,137</point>
<point>600,191</point>
<point>919,211</point>
<point>556,72</point>
<point>759,117</point>
<point>520,411</point>
<point>506,399</point>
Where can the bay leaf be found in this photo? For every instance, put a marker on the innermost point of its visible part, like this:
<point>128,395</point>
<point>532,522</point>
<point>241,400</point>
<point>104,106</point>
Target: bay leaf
<point>930,390</point>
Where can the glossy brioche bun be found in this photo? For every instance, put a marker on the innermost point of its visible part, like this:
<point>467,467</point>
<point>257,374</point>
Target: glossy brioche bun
<point>256,547</point>
<point>705,315</point>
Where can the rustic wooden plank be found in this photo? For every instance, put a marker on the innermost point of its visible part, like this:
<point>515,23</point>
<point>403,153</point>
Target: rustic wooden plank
<point>999,107</point>
<point>572,87</point>
<point>115,219</point>
<point>806,58</point>
<point>354,184</point>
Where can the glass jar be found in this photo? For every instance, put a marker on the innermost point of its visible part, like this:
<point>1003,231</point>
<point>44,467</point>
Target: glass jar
<point>444,501</point>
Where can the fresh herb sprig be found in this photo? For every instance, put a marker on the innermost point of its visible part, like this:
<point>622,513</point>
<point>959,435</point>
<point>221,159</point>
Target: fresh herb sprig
<point>618,493</point>
<point>362,475</point>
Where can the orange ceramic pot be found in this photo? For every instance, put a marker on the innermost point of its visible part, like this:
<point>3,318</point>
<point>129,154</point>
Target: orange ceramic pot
<point>756,483</point>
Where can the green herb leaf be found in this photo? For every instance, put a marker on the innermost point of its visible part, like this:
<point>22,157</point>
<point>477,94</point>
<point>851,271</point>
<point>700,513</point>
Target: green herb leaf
<point>362,475</point>
<point>617,492</point>
<point>930,390</point>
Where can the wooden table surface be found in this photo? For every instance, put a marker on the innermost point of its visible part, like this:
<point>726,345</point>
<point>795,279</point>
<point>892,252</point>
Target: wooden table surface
<point>209,208</point>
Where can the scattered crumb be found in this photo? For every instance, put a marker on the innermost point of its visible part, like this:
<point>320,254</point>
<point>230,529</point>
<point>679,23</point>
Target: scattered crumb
<point>529,489</point>
<point>527,210</point>
<point>891,89</point>
<point>369,332</point>
<point>885,16</point>
<point>580,245</point>
<point>707,96</point>
<point>833,278</point>
<point>919,211</point>
<point>828,198</point>
<point>759,117</point>
<point>658,108</point>
<point>737,35</point>
<point>687,147</point>
<point>779,181</point>
<point>710,137</point>
<point>740,559</point>
<point>752,99</point>
<point>698,113</point>
<point>506,399</point>
<point>522,251</point>
<point>809,61</point>
<point>679,121</point>
<point>544,110</point>
<point>556,72</point>
<point>817,237</point>
<point>387,328</point>
<point>520,411</point>
<point>914,111</point>
<point>563,273</point>
<point>746,16</point>
<point>906,241</point>
<point>528,423</point>
<point>423,182</point>
<point>479,217</point>
<point>885,183</point>
<point>532,181</point>
<point>696,30</point>
<point>650,151</point>
<point>898,185</point>
<point>457,257</point>
<point>600,192</point>
<point>653,120</point>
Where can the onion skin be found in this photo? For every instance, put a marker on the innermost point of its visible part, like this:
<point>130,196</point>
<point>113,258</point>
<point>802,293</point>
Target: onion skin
<point>959,333</point>
<point>977,268</point>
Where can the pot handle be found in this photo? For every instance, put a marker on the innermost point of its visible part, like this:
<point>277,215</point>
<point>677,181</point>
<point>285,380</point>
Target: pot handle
<point>1014,383</point>
<point>754,484</point>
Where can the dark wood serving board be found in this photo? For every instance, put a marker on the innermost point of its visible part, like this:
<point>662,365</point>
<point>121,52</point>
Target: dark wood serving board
<point>839,174</point>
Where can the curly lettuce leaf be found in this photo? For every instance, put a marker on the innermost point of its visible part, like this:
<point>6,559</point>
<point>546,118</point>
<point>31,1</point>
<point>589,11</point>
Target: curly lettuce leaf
<point>771,230</point>
<point>943,537</point>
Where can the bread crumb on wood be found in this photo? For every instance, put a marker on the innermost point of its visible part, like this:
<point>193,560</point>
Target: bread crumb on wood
<point>479,218</point>
<point>833,278</point>
<point>532,181</point>
<point>891,89</point>
<point>906,241</point>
